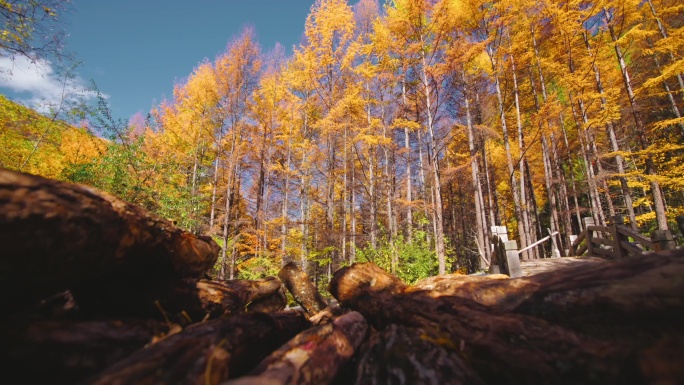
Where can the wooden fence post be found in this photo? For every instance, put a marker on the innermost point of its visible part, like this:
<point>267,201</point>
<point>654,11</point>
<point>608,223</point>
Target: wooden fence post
<point>617,221</point>
<point>662,240</point>
<point>499,234</point>
<point>512,259</point>
<point>588,221</point>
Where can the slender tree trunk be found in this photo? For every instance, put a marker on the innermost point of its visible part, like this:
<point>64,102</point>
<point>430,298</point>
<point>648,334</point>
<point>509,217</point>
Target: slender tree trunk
<point>597,207</point>
<point>233,254</point>
<point>193,186</point>
<point>601,174</point>
<point>421,166</point>
<point>230,174</point>
<point>304,205</point>
<point>521,166</point>
<point>283,226</point>
<point>610,129</point>
<point>212,215</point>
<point>573,185</point>
<point>491,198</point>
<point>389,182</point>
<point>548,168</point>
<point>407,146</point>
<point>437,188</point>
<point>546,159</point>
<point>330,195</point>
<point>522,231</point>
<point>480,219</point>
<point>372,194</point>
<point>656,192</point>
<point>534,215</point>
<point>345,189</point>
<point>352,213</point>
<point>303,228</point>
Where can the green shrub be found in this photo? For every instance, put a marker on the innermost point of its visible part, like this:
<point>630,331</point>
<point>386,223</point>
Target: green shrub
<point>416,259</point>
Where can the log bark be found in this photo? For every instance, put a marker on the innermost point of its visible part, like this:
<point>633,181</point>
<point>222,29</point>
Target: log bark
<point>183,301</point>
<point>452,282</point>
<point>207,353</point>
<point>599,298</point>
<point>501,347</point>
<point>312,357</point>
<point>67,351</point>
<point>302,289</point>
<point>404,356</point>
<point>55,234</point>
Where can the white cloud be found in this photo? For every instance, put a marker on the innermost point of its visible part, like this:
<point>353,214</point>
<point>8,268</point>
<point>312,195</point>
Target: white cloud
<point>38,85</point>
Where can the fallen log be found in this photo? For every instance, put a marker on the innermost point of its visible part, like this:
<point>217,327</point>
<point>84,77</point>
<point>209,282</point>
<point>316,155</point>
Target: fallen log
<point>501,347</point>
<point>304,292</point>
<point>67,351</point>
<point>56,234</point>
<point>185,301</point>
<point>602,298</point>
<point>314,356</point>
<point>268,304</point>
<point>207,353</point>
<point>452,283</point>
<point>404,356</point>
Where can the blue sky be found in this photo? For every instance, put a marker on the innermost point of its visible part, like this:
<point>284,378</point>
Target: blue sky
<point>136,50</point>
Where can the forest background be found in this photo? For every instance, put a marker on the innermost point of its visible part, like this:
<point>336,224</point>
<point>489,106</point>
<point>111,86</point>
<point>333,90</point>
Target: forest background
<point>397,133</point>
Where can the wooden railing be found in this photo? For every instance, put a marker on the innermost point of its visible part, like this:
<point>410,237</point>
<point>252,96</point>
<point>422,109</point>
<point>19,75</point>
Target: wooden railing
<point>617,241</point>
<point>505,258</point>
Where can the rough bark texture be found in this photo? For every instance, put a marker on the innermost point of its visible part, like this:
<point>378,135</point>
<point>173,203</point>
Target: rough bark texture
<point>302,289</point>
<point>66,351</point>
<point>452,282</point>
<point>57,234</point>
<point>519,348</point>
<point>313,357</point>
<point>403,356</point>
<point>599,298</point>
<point>207,353</point>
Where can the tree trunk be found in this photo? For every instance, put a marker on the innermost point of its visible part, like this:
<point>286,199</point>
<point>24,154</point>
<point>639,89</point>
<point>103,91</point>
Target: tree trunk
<point>530,254</point>
<point>546,150</point>
<point>626,194</point>
<point>407,147</point>
<point>522,231</point>
<point>658,201</point>
<point>214,186</point>
<point>573,186</point>
<point>597,207</point>
<point>433,150</point>
<point>480,217</point>
<point>284,210</point>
